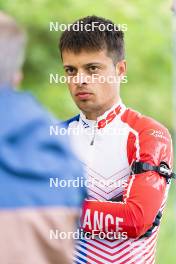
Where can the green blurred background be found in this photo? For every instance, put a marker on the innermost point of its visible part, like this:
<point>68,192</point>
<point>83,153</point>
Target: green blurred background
<point>149,60</point>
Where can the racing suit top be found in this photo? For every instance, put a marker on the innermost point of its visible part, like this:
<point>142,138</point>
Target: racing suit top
<point>107,147</point>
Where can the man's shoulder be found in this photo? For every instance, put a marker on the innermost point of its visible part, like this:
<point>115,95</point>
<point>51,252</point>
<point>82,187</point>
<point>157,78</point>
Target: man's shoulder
<point>67,122</point>
<point>148,137</point>
<point>141,123</point>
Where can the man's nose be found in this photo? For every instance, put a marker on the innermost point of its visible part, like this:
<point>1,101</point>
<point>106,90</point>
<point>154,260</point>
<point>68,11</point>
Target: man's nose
<point>81,78</point>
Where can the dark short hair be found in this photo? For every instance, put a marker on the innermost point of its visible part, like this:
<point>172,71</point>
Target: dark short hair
<point>94,40</point>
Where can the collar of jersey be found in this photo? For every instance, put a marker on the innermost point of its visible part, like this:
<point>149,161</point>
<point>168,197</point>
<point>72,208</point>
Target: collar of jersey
<point>90,123</point>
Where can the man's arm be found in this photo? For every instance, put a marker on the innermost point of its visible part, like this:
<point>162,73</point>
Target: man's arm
<point>143,196</point>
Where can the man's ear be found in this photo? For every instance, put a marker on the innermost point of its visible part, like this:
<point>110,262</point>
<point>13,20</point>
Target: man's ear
<point>121,68</point>
<point>17,78</point>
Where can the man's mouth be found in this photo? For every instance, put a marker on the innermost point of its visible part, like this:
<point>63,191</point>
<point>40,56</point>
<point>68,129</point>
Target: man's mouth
<point>83,95</point>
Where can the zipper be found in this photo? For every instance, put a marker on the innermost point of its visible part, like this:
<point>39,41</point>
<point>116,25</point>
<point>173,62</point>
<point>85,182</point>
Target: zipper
<point>94,133</point>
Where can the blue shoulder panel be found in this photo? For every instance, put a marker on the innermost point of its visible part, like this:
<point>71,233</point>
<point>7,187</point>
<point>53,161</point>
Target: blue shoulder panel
<point>67,122</point>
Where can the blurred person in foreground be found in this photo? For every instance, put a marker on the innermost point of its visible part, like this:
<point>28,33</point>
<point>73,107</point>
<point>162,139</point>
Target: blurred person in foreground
<point>129,153</point>
<point>29,208</point>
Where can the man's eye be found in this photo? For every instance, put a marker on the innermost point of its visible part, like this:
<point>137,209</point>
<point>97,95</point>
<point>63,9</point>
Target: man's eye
<point>93,69</point>
<point>70,71</point>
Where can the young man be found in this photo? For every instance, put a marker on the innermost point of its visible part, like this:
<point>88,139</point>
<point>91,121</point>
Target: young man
<point>29,157</point>
<point>122,148</point>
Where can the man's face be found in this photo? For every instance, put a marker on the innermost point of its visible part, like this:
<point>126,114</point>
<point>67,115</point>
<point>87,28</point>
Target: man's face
<point>93,80</point>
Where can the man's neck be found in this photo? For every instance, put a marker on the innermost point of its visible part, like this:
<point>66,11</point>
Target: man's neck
<point>95,114</point>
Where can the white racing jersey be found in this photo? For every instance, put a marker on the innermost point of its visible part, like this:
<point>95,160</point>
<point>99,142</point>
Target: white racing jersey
<point>107,147</point>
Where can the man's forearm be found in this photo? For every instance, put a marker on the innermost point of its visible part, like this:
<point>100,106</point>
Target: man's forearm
<point>135,215</point>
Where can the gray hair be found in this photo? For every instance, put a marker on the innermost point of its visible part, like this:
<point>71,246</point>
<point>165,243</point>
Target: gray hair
<point>12,47</point>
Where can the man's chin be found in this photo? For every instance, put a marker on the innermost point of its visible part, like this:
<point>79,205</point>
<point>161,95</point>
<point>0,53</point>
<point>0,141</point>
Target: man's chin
<point>85,105</point>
